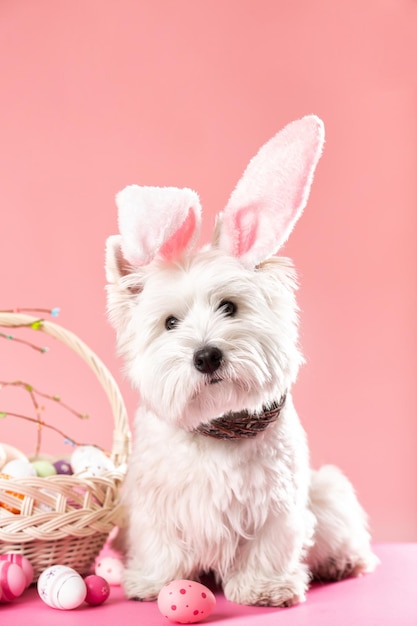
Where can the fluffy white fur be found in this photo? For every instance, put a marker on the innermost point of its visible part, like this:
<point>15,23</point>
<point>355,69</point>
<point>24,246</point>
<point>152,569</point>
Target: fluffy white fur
<point>246,509</point>
<point>251,510</point>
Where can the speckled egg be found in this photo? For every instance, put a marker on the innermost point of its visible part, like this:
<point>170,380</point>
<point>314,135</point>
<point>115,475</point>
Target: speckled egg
<point>98,589</point>
<point>22,562</point>
<point>111,569</point>
<point>88,460</point>
<point>61,587</point>
<point>12,581</point>
<point>186,601</point>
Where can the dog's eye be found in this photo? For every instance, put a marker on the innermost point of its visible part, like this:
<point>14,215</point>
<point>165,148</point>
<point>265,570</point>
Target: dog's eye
<point>228,308</point>
<point>171,322</point>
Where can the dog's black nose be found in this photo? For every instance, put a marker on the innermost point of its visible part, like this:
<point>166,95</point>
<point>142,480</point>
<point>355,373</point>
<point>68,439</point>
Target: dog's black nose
<point>208,359</point>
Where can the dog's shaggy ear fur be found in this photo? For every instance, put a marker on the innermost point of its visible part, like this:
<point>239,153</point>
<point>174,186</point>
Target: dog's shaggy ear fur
<point>115,264</point>
<point>124,282</point>
<point>272,193</point>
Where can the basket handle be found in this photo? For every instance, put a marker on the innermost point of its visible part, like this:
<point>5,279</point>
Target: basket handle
<point>121,434</point>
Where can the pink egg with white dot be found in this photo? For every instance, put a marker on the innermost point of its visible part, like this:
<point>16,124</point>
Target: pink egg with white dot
<point>186,601</point>
<point>110,569</point>
<point>98,589</point>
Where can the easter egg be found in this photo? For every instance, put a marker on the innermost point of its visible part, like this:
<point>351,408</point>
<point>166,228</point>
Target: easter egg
<point>44,468</point>
<point>19,468</point>
<point>6,506</point>
<point>186,601</point>
<point>63,467</point>
<point>110,569</point>
<point>22,562</point>
<point>7,453</point>
<point>90,461</point>
<point>3,456</point>
<point>61,587</point>
<point>98,589</point>
<point>12,581</point>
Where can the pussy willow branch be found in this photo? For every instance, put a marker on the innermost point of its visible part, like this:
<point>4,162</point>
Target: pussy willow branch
<point>33,393</point>
<point>54,312</point>
<point>40,349</point>
<point>31,390</point>
<point>36,325</point>
<point>4,414</point>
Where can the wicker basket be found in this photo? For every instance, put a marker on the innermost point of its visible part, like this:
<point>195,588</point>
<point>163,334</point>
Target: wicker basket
<point>64,519</point>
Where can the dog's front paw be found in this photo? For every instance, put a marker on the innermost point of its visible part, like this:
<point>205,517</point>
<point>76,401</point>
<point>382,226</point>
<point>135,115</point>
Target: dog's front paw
<point>280,591</point>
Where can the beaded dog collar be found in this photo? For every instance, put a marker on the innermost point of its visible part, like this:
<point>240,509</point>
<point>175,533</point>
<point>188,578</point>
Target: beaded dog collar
<point>242,425</point>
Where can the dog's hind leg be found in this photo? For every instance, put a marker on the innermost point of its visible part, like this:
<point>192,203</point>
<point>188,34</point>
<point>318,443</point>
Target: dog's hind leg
<point>341,545</point>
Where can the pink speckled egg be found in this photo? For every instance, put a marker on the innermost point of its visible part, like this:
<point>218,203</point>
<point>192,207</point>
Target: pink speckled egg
<point>110,569</point>
<point>98,589</point>
<point>12,581</point>
<point>23,562</point>
<point>186,601</point>
<point>61,587</point>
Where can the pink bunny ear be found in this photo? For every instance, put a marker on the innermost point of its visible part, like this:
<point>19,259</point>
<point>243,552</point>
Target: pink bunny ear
<point>154,220</point>
<point>272,193</point>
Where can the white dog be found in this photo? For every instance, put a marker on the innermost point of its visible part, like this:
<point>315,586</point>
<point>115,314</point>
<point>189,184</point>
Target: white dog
<point>219,478</point>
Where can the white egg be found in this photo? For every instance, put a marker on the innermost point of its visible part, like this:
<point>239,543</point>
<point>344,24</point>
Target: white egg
<point>19,468</point>
<point>90,461</point>
<point>61,587</point>
<point>7,453</point>
<point>3,456</point>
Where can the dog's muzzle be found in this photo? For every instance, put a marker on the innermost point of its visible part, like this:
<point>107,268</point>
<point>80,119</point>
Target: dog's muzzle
<point>242,425</point>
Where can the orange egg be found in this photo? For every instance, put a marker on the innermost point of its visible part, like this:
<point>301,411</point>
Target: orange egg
<point>3,505</point>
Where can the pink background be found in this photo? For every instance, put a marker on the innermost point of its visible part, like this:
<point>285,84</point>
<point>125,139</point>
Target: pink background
<point>97,94</point>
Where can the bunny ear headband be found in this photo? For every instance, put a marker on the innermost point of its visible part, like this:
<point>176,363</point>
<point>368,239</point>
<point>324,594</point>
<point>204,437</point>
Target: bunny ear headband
<point>258,218</point>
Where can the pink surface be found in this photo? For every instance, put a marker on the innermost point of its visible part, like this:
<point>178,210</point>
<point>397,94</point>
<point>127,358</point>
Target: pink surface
<point>98,94</point>
<point>385,598</point>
